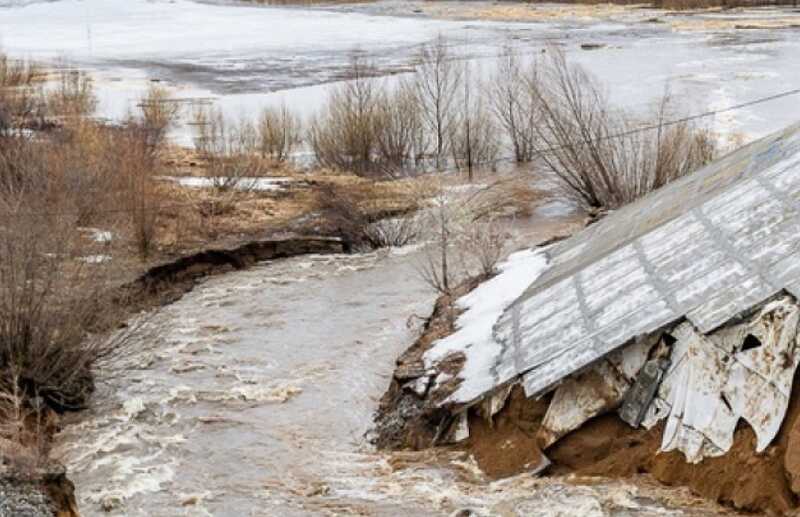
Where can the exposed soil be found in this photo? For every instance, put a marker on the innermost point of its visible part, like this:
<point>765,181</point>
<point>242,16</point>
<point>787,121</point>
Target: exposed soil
<point>607,447</point>
<point>506,445</point>
<point>604,447</point>
<point>406,419</point>
<point>165,283</point>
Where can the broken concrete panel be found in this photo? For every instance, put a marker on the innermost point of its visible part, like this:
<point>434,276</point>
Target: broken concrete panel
<point>630,359</point>
<point>577,400</point>
<point>593,392</point>
<point>495,402</point>
<point>460,429</point>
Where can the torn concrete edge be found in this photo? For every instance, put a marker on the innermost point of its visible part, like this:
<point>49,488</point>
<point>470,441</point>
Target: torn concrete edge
<point>742,369</point>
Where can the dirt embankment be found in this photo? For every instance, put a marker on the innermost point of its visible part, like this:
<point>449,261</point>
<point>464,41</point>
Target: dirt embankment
<point>44,493</point>
<point>405,418</point>
<point>166,282</point>
<point>607,447</point>
<point>604,447</point>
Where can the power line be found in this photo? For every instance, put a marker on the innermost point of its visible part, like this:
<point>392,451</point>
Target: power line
<point>641,129</point>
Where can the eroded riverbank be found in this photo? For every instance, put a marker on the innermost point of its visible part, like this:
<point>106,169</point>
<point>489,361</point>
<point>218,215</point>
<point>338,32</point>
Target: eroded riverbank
<point>255,398</point>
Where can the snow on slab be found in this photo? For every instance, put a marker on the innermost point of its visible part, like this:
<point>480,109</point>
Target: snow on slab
<point>482,308</point>
<point>258,184</point>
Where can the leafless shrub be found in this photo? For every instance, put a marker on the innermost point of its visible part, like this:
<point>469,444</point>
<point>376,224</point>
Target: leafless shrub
<point>402,141</point>
<point>515,106</point>
<point>483,243</point>
<point>344,135</point>
<point>81,159</point>
<point>158,114</point>
<point>230,151</point>
<point>136,170</point>
<point>438,85</point>
<point>435,267</point>
<point>73,97</point>
<point>18,73</point>
<point>345,214</point>
<point>393,231</point>
<point>464,231</point>
<point>364,221</point>
<point>473,138</point>
<point>20,97</point>
<point>600,156</point>
<point>279,133</point>
<point>53,299</point>
<point>23,430</point>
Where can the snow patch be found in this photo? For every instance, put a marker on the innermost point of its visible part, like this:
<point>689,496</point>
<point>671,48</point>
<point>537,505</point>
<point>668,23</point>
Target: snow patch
<point>482,308</point>
<point>259,184</point>
<point>96,259</point>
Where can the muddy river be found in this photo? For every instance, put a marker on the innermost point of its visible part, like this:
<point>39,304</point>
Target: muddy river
<point>256,395</point>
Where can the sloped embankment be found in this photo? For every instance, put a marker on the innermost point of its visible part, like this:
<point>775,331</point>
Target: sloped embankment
<point>167,282</point>
<point>43,493</point>
<point>508,442</point>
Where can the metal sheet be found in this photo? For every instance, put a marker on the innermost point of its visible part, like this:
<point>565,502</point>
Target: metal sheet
<point>599,389</point>
<point>708,246</point>
<point>714,382</point>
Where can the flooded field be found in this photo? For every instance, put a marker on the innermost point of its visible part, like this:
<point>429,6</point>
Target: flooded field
<point>243,57</point>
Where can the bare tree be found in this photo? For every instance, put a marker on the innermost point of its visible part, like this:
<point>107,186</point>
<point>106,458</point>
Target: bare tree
<point>159,113</point>
<point>438,82</point>
<point>515,106</point>
<point>435,266</point>
<point>231,152</point>
<point>73,97</point>
<point>401,137</point>
<point>463,231</point>
<point>344,134</point>
<point>474,134</point>
<point>602,157</point>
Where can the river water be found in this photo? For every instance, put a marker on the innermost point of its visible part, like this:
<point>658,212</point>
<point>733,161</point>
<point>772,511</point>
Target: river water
<point>252,395</point>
